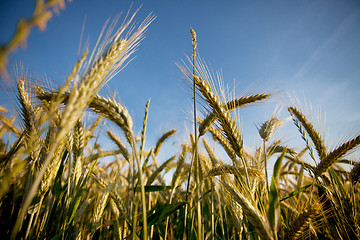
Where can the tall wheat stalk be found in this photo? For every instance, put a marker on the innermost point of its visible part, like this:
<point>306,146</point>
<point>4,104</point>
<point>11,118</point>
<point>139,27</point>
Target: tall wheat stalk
<point>198,184</point>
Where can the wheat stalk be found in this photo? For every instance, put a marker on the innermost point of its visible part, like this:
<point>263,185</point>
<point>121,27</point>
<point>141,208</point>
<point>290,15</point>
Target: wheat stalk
<point>195,153</point>
<point>6,158</point>
<point>176,178</point>
<point>144,128</point>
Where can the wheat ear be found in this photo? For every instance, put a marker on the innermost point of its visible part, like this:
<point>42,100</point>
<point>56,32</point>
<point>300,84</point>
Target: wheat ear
<point>266,130</point>
<point>162,140</point>
<point>53,167</point>
<point>144,129</point>
<point>228,169</point>
<point>335,155</point>
<point>218,136</point>
<point>99,210</point>
<point>240,102</point>
<point>211,154</point>
<point>78,147</point>
<point>79,139</point>
<point>113,111</point>
<point>176,177</point>
<point>120,145</point>
<point>231,131</point>
<point>9,124</point>
<point>41,15</point>
<point>314,135</point>
<point>255,218</point>
<point>156,173</point>
<point>29,120</point>
<point>299,224</point>
<point>107,107</point>
<point>228,125</point>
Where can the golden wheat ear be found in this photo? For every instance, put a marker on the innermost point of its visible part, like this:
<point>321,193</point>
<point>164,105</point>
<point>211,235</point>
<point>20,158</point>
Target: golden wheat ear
<point>227,123</point>
<point>218,136</point>
<point>335,155</point>
<point>30,120</point>
<point>256,219</point>
<point>162,140</point>
<point>233,104</point>
<point>310,130</point>
<point>120,145</point>
<point>228,169</point>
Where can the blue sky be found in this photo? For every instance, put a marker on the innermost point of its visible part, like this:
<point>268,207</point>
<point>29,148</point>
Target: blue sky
<point>305,48</point>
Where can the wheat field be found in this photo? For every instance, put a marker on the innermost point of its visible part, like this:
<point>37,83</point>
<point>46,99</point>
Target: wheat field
<point>54,184</point>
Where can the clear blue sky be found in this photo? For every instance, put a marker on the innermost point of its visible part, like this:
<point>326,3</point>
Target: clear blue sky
<point>307,48</point>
